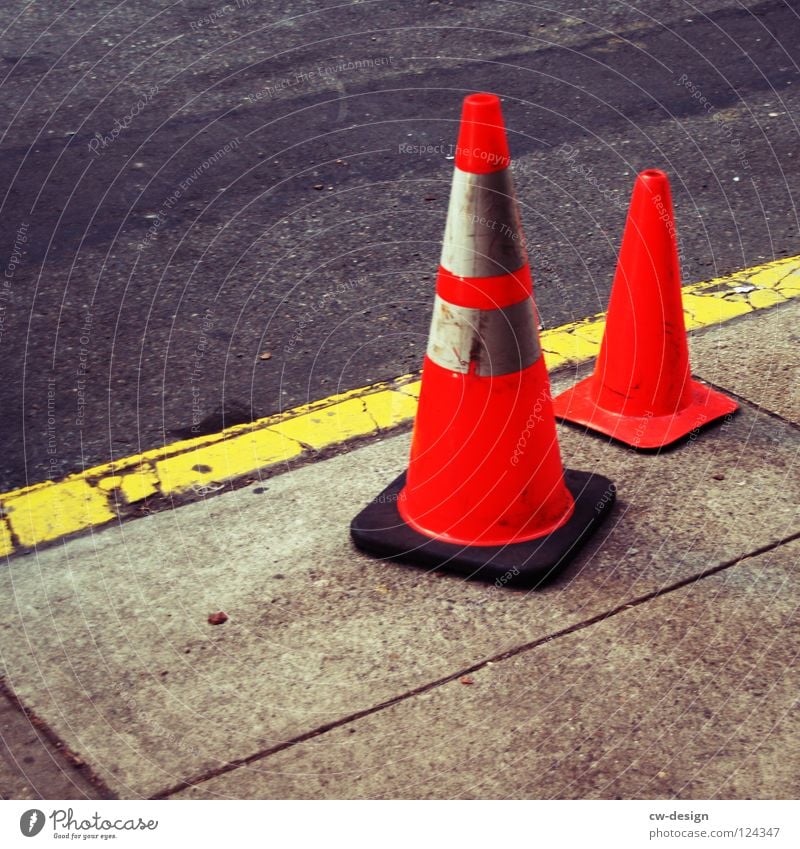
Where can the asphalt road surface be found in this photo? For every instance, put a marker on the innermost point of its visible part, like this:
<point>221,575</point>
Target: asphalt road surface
<point>214,211</point>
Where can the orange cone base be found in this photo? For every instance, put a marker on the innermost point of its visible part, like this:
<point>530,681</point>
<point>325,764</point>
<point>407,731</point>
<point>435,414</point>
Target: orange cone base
<point>380,530</point>
<point>578,406</point>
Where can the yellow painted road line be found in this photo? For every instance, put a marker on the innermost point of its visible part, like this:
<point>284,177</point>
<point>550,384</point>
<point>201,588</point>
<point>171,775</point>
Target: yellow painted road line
<point>50,510</point>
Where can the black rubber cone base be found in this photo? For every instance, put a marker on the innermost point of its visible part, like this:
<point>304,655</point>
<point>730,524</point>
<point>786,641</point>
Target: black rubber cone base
<point>380,530</point>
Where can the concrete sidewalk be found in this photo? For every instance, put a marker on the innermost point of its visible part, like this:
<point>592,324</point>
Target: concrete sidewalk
<point>661,664</point>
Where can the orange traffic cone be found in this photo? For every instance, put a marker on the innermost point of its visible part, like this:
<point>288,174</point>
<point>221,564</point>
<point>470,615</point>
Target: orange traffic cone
<point>642,392</point>
<point>485,494</point>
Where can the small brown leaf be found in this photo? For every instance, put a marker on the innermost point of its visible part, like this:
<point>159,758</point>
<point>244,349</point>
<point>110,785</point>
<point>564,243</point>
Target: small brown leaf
<point>266,355</point>
<point>217,618</point>
<point>466,680</point>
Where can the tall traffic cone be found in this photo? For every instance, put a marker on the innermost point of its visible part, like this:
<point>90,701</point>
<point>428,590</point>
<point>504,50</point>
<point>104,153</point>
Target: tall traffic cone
<point>485,494</point>
<point>642,392</point>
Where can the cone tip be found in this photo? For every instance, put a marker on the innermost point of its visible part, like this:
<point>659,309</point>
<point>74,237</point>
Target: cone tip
<point>653,177</point>
<point>481,100</point>
<point>482,145</point>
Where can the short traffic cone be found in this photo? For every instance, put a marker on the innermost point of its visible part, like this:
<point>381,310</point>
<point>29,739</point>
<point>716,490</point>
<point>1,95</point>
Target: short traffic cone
<point>642,392</point>
<point>485,494</point>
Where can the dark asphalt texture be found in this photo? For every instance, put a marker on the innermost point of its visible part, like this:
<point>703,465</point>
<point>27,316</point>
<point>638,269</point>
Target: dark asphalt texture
<point>147,268</point>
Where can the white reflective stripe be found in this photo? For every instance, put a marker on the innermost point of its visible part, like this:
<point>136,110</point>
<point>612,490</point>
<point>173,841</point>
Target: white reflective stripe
<point>483,235</point>
<point>454,331</point>
<point>499,341</point>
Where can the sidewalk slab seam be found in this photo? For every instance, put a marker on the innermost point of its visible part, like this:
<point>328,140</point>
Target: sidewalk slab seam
<point>195,781</point>
<point>35,763</point>
<point>673,699</point>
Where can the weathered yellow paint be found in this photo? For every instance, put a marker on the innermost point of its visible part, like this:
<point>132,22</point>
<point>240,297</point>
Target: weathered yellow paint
<point>770,276</point>
<point>134,485</point>
<point>789,287</point>
<point>389,408</point>
<point>123,463</point>
<point>47,511</point>
<point>227,459</point>
<point>759,299</point>
<point>347,419</point>
<point>138,484</point>
<point>56,510</point>
<point>412,389</point>
<point>318,429</point>
<point>591,329</point>
<point>561,347</point>
<point>702,311</point>
<point>111,483</point>
<point>6,542</point>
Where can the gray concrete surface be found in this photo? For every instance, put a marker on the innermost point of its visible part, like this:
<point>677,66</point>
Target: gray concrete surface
<point>764,369</point>
<point>107,639</point>
<point>32,767</point>
<point>692,695</point>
